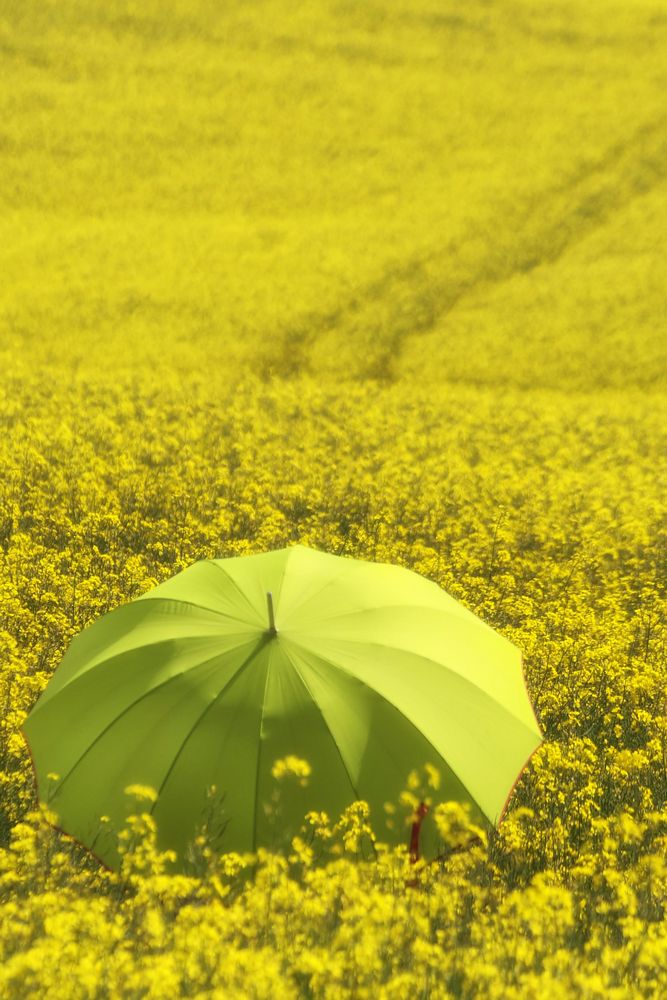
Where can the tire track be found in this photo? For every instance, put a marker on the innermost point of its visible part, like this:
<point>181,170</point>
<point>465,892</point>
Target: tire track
<point>567,214</point>
<point>408,301</point>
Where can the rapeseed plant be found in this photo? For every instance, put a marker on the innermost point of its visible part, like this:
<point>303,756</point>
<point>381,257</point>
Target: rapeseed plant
<point>386,280</point>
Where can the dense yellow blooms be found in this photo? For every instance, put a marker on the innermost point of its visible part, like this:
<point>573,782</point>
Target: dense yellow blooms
<point>386,279</point>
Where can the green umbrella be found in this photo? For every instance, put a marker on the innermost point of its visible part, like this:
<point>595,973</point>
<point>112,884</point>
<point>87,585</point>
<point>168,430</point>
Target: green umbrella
<point>368,671</point>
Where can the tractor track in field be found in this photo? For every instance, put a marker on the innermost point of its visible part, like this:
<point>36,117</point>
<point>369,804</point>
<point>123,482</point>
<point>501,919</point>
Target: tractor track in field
<point>568,213</point>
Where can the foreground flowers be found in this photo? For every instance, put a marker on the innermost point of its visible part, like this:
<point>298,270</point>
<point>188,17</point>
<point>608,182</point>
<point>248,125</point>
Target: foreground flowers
<point>273,925</point>
<point>560,550</point>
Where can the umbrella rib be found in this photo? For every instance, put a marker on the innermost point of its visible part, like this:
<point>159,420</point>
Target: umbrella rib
<point>458,609</point>
<point>445,666</point>
<point>129,707</point>
<point>316,593</point>
<point>230,579</point>
<point>259,754</point>
<point>192,604</point>
<point>326,724</point>
<point>409,721</point>
<point>279,588</point>
<point>124,652</point>
<point>464,613</point>
<point>260,645</point>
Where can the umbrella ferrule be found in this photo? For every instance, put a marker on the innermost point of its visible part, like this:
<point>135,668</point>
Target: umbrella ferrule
<point>272,630</point>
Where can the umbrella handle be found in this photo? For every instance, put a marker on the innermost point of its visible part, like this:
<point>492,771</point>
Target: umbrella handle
<point>422,810</point>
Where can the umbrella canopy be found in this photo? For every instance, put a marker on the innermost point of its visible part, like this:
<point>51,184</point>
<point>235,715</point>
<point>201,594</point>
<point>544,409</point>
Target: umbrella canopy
<point>366,670</point>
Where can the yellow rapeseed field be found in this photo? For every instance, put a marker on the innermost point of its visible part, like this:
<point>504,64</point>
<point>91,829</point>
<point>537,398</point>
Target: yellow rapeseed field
<point>386,279</point>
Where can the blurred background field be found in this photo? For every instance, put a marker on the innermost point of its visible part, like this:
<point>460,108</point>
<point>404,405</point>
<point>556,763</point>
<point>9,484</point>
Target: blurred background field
<point>352,189</point>
<point>387,279</point>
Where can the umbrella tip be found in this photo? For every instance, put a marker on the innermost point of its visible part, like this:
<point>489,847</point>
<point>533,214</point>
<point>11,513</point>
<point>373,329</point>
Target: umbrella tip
<point>272,630</point>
